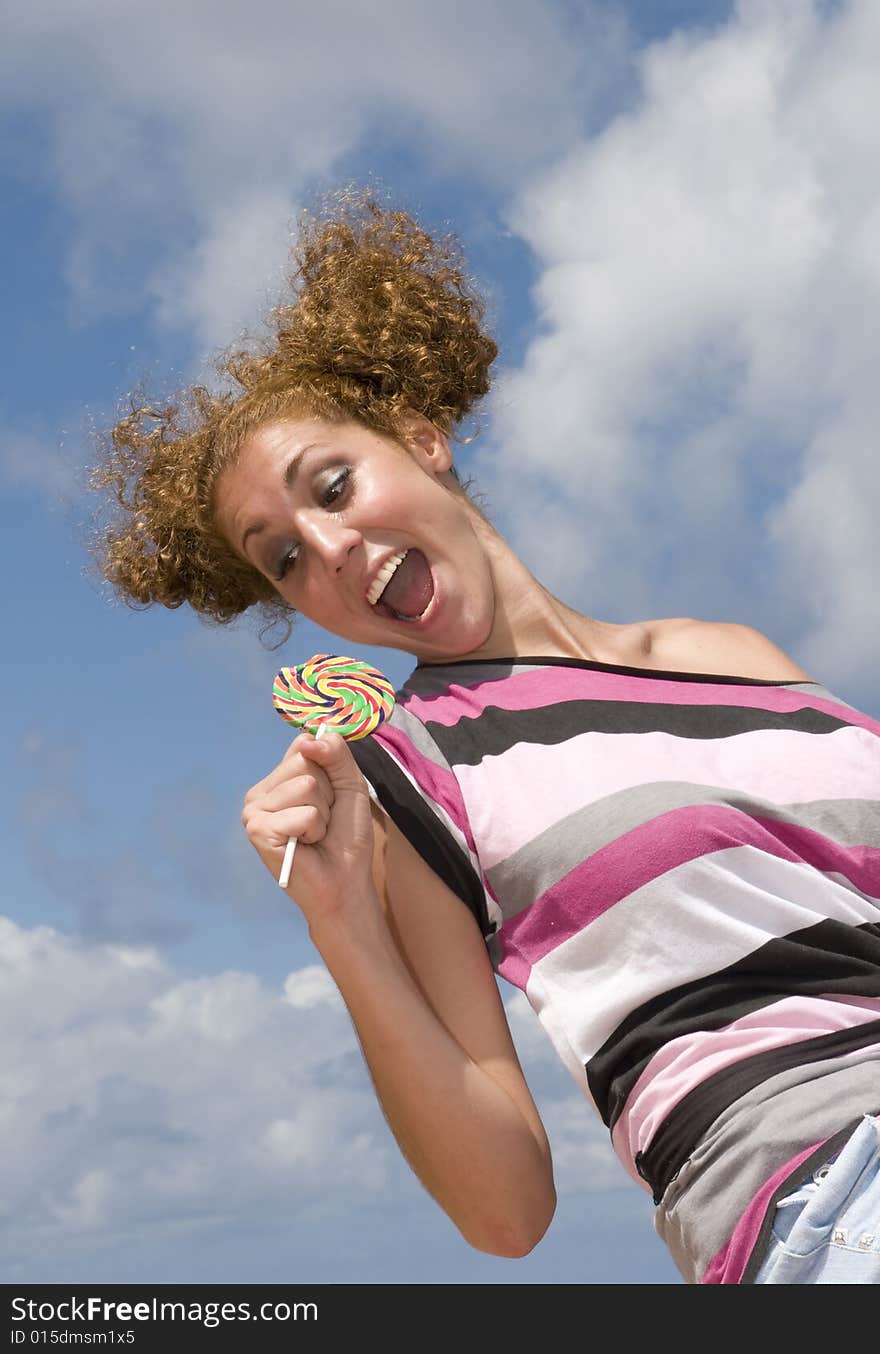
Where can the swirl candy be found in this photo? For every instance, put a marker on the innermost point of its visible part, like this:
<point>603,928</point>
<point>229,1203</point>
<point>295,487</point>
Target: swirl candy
<point>331,692</point>
<point>344,694</point>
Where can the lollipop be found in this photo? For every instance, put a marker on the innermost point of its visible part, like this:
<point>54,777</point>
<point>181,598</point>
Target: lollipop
<point>328,691</point>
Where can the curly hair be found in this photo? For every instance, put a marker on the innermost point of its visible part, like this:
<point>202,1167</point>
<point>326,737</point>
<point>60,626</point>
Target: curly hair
<point>382,321</point>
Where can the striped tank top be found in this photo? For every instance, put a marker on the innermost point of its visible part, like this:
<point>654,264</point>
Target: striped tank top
<point>681,872</point>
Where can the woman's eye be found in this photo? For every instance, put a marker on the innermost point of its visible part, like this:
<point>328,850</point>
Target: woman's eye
<point>329,495</point>
<point>336,487</point>
<point>287,562</point>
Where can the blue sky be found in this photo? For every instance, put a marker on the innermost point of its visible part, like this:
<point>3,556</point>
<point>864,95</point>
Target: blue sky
<point>674,210</point>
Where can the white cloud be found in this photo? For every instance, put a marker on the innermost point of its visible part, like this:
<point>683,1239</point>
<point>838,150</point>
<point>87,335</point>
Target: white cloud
<point>704,375</point>
<point>137,1100</point>
<point>133,1098</point>
<point>233,275</point>
<point>29,462</point>
<point>182,133</point>
<point>311,986</point>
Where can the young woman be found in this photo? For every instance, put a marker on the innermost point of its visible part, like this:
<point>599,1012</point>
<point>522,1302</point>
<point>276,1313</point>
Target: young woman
<point>666,833</point>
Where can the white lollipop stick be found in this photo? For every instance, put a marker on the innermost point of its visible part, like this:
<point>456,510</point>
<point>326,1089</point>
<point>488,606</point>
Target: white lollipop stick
<point>284,877</point>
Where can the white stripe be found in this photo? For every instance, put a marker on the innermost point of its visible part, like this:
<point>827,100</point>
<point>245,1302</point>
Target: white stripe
<point>693,921</point>
<point>783,767</point>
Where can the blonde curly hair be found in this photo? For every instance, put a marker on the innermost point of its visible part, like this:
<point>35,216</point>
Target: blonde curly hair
<point>383,321</point>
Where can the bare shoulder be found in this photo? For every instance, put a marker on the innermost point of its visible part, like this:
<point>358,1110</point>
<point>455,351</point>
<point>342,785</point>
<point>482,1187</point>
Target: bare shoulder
<point>684,644</point>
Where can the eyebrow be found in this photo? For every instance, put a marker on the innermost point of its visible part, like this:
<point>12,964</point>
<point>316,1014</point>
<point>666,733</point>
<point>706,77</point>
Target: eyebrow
<point>291,471</point>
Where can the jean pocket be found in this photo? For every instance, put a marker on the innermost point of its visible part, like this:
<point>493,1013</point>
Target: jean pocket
<point>789,1209</point>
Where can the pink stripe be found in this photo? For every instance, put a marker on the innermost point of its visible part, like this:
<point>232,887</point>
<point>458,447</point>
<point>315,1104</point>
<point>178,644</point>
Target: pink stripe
<point>663,844</point>
<point>728,1266</point>
<point>513,968</point>
<point>684,1063</point>
<point>529,690</point>
<point>439,785</point>
<point>779,766</point>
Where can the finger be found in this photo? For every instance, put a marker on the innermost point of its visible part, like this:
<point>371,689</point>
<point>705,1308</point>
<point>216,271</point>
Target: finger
<point>283,798</point>
<point>292,764</point>
<point>301,791</point>
<point>332,753</point>
<point>272,831</point>
<point>303,739</point>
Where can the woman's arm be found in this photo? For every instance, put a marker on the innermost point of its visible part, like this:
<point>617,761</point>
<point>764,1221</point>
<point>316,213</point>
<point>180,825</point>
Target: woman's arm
<point>422,994</point>
<point>412,968</point>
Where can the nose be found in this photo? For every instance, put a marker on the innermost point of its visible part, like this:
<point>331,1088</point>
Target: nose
<point>330,540</point>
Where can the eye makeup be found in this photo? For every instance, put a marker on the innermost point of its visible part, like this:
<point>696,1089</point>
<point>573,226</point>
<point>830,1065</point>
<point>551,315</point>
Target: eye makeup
<point>335,489</point>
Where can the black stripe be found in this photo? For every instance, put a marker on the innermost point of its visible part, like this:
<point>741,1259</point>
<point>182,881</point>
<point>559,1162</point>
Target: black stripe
<point>494,730</point>
<point>422,828</point>
<point>831,957</point>
<point>554,661</point>
<point>695,1113</point>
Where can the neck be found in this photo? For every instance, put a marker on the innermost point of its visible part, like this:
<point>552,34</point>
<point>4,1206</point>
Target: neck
<point>528,618</point>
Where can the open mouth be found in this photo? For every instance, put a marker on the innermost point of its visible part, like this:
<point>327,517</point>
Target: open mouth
<point>404,588</point>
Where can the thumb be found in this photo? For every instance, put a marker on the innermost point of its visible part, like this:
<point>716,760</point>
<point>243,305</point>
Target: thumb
<point>331,752</point>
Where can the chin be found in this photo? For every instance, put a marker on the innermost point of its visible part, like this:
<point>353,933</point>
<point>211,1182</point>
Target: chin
<point>462,644</point>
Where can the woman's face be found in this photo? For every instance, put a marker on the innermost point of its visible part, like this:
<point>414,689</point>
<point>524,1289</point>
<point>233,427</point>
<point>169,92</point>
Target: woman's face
<point>373,542</point>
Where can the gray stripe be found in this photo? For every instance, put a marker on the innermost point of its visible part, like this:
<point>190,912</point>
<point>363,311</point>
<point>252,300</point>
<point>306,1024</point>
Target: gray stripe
<point>421,740</point>
<point>436,681</point>
<point>750,1141</point>
<point>542,862</point>
<point>825,694</point>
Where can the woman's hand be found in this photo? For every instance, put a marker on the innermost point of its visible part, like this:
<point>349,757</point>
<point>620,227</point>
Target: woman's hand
<point>318,795</point>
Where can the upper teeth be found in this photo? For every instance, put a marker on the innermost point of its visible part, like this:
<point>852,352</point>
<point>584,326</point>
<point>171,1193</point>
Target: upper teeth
<point>384,576</point>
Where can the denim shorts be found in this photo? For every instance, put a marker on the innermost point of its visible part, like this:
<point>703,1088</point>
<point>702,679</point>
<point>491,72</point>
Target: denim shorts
<point>828,1230</point>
